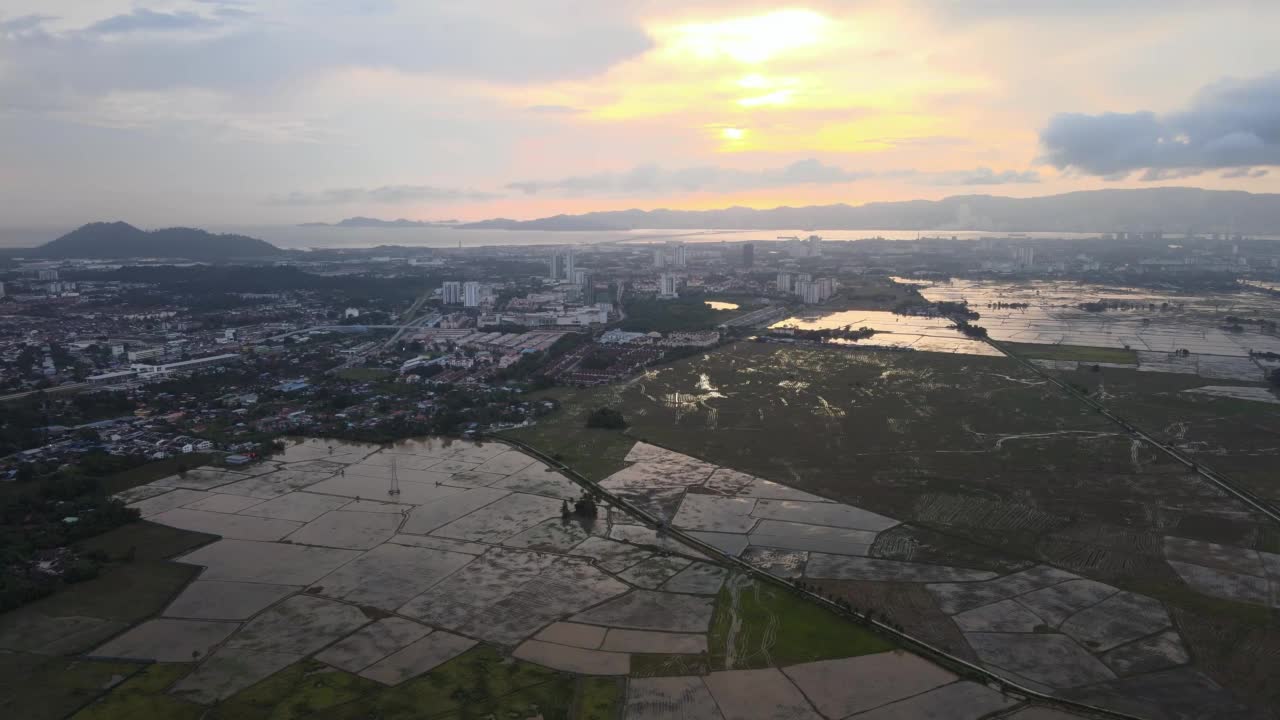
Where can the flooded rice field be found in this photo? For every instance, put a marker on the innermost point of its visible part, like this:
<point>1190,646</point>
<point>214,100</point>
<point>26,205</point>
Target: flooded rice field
<point>1153,321</point>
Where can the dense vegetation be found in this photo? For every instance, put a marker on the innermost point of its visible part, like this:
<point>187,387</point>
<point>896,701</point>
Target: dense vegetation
<point>38,525</point>
<point>606,418</point>
<point>681,314</point>
<point>119,240</point>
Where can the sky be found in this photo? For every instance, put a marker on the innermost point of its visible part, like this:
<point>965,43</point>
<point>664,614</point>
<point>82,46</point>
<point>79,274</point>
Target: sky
<point>222,112</point>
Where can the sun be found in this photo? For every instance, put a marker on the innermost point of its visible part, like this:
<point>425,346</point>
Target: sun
<point>733,133</point>
<point>750,40</point>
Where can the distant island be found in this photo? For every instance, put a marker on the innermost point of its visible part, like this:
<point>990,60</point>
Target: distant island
<point>102,240</point>
<point>368,222</point>
<point>1169,209</point>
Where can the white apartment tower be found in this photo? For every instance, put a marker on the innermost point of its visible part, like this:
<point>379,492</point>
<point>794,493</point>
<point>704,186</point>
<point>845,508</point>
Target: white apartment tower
<point>667,286</point>
<point>471,294</point>
<point>680,253</point>
<point>451,292</point>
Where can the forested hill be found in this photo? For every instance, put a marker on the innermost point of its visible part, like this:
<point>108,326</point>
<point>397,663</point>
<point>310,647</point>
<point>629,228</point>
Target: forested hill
<point>122,240</point>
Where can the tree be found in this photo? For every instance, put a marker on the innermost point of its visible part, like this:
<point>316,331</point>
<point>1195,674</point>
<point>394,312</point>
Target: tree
<point>606,418</point>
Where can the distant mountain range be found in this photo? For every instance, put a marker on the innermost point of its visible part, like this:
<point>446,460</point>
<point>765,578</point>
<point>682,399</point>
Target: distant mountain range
<point>1169,209</point>
<point>122,240</point>
<point>368,222</point>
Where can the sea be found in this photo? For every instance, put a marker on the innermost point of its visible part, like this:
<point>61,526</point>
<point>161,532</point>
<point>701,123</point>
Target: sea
<point>296,237</point>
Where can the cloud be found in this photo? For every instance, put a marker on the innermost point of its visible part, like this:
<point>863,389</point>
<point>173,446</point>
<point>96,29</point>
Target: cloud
<point>261,55</point>
<point>979,176</point>
<point>1244,172</point>
<point>652,179</point>
<point>1229,124</point>
<point>555,109</point>
<point>385,195</point>
<point>24,23</point>
<point>143,20</point>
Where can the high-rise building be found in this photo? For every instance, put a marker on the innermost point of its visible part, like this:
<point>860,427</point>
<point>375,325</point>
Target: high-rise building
<point>785,281</point>
<point>1024,255</point>
<point>807,291</point>
<point>47,275</point>
<point>471,293</point>
<point>1,289</point>
<point>581,278</point>
<point>679,253</point>
<point>667,286</point>
<point>562,265</point>
<point>451,292</point>
<point>748,255</point>
<point>659,260</point>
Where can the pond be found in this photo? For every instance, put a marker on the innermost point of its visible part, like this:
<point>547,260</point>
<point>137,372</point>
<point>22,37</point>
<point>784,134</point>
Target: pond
<point>717,305</point>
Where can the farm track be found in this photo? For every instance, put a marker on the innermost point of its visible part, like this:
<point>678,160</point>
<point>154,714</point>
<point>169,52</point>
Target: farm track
<point>1216,478</point>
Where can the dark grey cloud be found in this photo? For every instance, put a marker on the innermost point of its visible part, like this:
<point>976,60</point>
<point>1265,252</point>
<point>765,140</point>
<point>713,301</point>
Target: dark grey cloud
<point>144,20</point>
<point>385,195</point>
<point>1229,124</point>
<point>652,179</point>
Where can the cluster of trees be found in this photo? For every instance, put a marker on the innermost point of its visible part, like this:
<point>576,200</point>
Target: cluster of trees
<point>944,308</point>
<point>845,333</point>
<point>1104,305</point>
<point>976,332</point>
<point>677,315</point>
<point>606,418</point>
<point>1262,323</point>
<point>39,524</point>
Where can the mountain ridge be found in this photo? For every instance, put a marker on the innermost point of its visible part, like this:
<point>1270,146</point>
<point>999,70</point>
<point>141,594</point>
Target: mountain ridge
<point>1172,209</point>
<point>360,221</point>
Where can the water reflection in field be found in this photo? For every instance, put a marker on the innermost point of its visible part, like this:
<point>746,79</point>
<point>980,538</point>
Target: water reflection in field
<point>931,334</point>
<point>1153,321</point>
<point>717,305</point>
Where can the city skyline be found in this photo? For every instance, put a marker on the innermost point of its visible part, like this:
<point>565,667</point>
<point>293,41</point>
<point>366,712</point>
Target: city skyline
<point>220,112</point>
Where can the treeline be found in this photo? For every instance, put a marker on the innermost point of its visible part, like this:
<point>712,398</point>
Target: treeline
<point>823,335</point>
<point>1104,305</point>
<point>943,308</point>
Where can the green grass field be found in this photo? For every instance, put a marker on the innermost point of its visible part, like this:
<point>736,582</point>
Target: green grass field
<point>143,697</point>
<point>599,698</point>
<point>360,374</point>
<point>1081,353</point>
<point>480,683</point>
<point>594,452</point>
<point>758,625</point>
